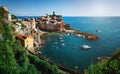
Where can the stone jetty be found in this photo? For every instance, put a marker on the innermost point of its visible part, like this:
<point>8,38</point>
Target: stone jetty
<point>86,35</point>
<point>89,36</point>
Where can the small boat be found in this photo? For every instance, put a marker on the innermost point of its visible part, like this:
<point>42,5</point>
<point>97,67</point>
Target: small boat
<point>79,35</point>
<point>99,58</point>
<point>98,31</point>
<point>83,36</point>
<point>39,52</point>
<point>62,40</point>
<point>55,42</point>
<point>63,44</point>
<point>85,46</point>
<point>68,34</point>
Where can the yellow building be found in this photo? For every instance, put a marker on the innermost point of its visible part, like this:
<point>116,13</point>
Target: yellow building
<point>27,41</point>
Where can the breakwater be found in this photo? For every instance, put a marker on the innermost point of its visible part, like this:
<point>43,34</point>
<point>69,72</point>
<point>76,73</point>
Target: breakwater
<point>87,35</point>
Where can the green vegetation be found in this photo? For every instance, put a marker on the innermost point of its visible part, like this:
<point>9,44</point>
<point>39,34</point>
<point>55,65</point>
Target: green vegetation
<point>43,66</point>
<point>22,25</point>
<point>112,66</point>
<point>2,14</point>
<point>13,17</point>
<point>1,28</point>
<point>14,59</point>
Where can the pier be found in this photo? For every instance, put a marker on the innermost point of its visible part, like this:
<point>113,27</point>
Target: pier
<point>88,36</point>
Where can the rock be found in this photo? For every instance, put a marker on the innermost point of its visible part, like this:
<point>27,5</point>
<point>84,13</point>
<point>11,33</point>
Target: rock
<point>67,27</point>
<point>93,37</point>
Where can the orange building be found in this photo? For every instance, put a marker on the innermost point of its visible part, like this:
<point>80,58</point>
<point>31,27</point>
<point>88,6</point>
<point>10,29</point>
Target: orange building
<point>27,41</point>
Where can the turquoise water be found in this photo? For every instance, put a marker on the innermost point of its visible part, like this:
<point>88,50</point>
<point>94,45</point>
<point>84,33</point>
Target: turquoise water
<point>72,54</point>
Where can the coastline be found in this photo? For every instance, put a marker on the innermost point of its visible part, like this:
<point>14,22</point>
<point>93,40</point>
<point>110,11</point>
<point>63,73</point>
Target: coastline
<point>52,63</point>
<point>43,38</point>
<point>37,52</point>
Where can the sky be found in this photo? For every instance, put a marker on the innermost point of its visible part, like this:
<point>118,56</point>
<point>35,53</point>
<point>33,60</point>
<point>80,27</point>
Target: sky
<point>63,7</point>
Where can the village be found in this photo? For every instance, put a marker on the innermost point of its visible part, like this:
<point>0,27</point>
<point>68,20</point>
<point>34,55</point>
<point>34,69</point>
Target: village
<point>30,30</point>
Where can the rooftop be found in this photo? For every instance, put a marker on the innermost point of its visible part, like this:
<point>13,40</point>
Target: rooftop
<point>21,37</point>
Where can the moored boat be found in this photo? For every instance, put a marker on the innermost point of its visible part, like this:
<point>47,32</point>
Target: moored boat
<point>63,44</point>
<point>85,47</point>
<point>98,31</point>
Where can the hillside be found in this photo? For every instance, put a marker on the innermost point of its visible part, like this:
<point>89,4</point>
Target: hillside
<point>14,59</point>
<point>111,66</point>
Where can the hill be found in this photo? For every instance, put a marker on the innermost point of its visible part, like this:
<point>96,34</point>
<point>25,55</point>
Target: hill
<point>15,59</point>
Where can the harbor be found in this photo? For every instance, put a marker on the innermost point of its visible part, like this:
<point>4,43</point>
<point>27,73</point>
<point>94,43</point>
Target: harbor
<point>72,54</point>
<point>70,39</point>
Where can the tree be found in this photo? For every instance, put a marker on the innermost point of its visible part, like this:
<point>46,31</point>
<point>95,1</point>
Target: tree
<point>1,28</point>
<point>3,14</point>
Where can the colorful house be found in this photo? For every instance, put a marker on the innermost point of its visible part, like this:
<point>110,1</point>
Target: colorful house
<point>52,23</point>
<point>27,41</point>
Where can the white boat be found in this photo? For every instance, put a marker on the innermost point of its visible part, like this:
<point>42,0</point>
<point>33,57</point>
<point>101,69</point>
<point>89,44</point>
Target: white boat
<point>63,44</point>
<point>98,31</point>
<point>68,34</point>
<point>79,35</point>
<point>99,58</point>
<point>83,36</point>
<point>85,46</point>
<point>39,52</point>
<point>62,40</point>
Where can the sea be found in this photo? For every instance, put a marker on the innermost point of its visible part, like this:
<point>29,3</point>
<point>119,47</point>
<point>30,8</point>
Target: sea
<point>71,54</point>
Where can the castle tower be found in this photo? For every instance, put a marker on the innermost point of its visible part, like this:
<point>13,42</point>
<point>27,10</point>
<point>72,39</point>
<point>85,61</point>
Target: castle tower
<point>54,13</point>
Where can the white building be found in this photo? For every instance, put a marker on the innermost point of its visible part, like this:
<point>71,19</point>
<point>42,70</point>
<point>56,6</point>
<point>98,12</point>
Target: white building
<point>18,27</point>
<point>34,24</point>
<point>9,17</point>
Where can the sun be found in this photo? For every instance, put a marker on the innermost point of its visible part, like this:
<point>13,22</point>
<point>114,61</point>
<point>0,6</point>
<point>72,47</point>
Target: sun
<point>99,10</point>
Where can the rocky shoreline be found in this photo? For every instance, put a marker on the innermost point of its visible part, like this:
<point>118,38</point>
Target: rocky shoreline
<point>87,35</point>
<point>43,38</point>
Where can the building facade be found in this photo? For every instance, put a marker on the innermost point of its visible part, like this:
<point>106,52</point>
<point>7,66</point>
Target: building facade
<point>52,23</point>
<point>26,41</point>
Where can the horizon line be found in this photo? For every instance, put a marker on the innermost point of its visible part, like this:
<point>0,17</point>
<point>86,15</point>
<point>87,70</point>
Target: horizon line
<point>69,16</point>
